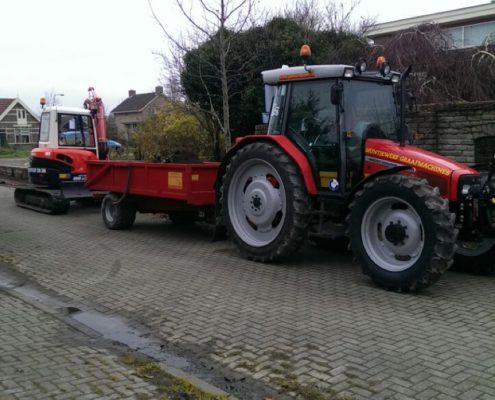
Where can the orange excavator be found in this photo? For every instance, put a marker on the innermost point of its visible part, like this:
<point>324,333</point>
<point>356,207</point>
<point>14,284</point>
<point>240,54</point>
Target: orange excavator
<point>68,138</point>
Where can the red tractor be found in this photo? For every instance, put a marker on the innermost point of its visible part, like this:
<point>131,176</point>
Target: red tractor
<point>337,161</point>
<point>69,137</point>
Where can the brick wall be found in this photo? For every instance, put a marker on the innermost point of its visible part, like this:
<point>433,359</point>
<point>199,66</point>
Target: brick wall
<point>463,131</point>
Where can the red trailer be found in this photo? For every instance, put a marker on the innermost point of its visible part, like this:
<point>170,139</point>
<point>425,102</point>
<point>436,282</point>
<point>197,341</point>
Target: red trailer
<point>183,191</point>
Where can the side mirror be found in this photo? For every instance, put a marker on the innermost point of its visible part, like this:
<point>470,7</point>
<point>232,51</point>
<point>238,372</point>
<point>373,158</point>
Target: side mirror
<point>336,94</point>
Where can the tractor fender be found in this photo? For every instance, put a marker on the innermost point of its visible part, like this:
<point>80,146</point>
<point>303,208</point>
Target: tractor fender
<point>382,172</point>
<point>285,144</point>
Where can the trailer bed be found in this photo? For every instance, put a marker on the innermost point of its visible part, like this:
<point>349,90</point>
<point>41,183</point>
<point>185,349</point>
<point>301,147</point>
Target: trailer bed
<point>189,183</point>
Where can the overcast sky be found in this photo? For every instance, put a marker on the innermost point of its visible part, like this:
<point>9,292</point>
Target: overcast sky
<point>67,45</point>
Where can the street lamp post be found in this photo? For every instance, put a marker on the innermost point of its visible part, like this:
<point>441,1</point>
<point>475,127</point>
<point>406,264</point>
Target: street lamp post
<point>55,98</point>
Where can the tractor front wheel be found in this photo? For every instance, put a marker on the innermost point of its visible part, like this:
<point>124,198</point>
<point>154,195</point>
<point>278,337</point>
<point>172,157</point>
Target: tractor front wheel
<point>401,232</point>
<point>264,202</point>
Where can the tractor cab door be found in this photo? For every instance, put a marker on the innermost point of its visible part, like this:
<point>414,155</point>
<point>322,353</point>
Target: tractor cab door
<point>312,124</point>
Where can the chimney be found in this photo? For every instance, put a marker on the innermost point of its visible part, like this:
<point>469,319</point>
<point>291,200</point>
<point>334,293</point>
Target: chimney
<point>132,93</point>
<point>159,90</point>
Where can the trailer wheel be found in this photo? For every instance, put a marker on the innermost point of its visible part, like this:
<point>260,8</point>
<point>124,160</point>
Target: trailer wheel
<point>401,232</point>
<point>476,257</point>
<point>264,202</point>
<point>117,214</point>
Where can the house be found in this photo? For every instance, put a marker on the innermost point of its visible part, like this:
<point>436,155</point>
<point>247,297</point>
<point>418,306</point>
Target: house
<point>467,27</point>
<point>18,124</point>
<point>135,109</point>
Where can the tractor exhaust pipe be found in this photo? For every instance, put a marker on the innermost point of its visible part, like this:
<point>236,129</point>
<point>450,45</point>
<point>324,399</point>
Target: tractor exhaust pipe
<point>403,105</point>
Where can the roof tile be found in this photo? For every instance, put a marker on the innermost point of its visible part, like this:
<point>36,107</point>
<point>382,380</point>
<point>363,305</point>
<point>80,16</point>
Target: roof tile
<point>4,104</point>
<point>134,103</point>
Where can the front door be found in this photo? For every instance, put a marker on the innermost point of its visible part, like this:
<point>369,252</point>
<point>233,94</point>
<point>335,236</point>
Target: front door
<point>311,124</point>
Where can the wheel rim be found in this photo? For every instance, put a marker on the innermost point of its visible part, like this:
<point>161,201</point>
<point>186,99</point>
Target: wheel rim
<point>109,210</point>
<point>393,234</point>
<point>257,203</point>
<point>474,249</point>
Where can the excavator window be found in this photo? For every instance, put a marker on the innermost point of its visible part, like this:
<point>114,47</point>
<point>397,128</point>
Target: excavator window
<point>75,131</point>
<point>45,127</point>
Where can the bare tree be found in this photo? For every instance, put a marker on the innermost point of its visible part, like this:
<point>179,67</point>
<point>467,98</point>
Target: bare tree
<point>217,22</point>
<point>441,73</point>
<point>308,15</point>
<point>339,17</point>
<point>335,16</point>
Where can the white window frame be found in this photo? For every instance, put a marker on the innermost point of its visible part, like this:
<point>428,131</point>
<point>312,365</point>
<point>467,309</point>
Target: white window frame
<point>463,38</point>
<point>21,116</point>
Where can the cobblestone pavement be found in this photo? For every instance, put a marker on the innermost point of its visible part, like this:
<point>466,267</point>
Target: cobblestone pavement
<point>41,357</point>
<point>315,317</point>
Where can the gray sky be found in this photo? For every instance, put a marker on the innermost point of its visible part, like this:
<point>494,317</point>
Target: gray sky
<point>69,45</point>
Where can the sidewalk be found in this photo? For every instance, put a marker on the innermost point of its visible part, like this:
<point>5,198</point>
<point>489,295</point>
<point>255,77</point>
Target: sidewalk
<point>43,358</point>
<point>47,351</point>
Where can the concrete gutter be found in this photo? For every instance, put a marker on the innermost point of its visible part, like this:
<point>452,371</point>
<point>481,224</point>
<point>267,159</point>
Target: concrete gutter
<point>14,169</point>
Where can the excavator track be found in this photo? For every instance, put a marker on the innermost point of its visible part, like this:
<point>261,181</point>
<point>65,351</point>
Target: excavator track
<point>48,201</point>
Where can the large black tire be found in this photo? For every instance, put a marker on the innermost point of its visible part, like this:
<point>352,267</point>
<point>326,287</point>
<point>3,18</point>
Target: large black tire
<point>401,232</point>
<point>117,214</point>
<point>476,258</point>
<point>264,203</point>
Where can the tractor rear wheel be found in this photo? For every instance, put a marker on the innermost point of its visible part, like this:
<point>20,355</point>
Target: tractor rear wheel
<point>117,214</point>
<point>264,202</point>
<point>401,232</point>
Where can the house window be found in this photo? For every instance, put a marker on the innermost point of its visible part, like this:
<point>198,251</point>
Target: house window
<point>21,135</point>
<point>471,35</point>
<point>21,117</point>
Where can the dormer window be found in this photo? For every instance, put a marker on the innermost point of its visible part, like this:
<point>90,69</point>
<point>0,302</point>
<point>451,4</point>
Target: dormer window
<point>21,117</point>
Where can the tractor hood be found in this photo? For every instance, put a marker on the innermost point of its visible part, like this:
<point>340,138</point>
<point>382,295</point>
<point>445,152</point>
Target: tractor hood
<point>438,170</point>
<point>391,153</point>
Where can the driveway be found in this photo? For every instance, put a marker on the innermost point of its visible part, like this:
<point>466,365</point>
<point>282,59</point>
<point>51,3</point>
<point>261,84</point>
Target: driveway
<point>314,321</point>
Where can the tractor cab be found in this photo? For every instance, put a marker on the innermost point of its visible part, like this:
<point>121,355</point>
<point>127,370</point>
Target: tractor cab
<point>329,111</point>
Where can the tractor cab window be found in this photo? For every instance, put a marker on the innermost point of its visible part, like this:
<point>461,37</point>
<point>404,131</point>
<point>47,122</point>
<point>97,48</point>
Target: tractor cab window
<point>369,112</point>
<point>277,112</point>
<point>311,124</point>
<point>75,130</point>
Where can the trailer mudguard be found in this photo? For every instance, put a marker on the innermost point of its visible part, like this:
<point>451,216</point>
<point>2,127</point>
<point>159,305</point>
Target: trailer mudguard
<point>286,145</point>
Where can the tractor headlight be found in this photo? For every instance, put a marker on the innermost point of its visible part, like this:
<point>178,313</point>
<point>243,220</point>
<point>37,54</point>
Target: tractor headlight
<point>468,185</point>
<point>349,72</point>
<point>361,66</point>
<point>395,77</point>
<point>385,69</point>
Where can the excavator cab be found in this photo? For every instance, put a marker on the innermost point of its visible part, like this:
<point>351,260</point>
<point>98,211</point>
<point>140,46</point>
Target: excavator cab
<point>68,138</point>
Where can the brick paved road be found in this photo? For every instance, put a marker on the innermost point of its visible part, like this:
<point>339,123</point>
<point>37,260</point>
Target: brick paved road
<point>316,316</point>
<point>43,358</point>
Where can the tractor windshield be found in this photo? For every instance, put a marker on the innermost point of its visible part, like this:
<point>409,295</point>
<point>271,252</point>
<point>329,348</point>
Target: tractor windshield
<point>370,110</point>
